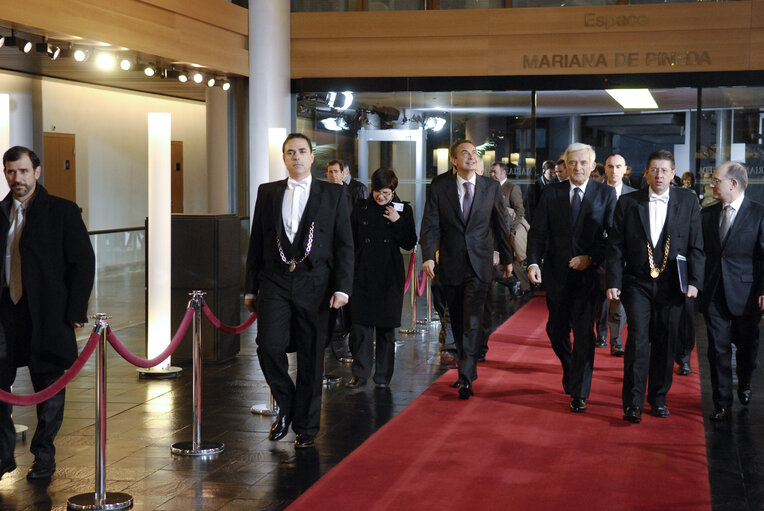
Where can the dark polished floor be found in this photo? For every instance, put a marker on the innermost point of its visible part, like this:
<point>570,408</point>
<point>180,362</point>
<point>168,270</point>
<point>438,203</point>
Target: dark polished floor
<point>146,416</point>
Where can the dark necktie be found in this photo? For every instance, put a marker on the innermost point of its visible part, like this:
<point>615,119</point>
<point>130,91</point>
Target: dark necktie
<point>575,205</point>
<point>467,204</point>
<point>725,227</point>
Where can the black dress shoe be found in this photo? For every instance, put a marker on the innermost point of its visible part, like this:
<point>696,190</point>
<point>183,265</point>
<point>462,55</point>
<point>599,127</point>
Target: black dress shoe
<point>744,394</point>
<point>303,441</point>
<point>7,466</point>
<point>382,385</point>
<point>600,343</point>
<point>720,413</point>
<point>616,351</point>
<point>355,383</point>
<point>41,469</point>
<point>684,369</point>
<point>578,405</point>
<point>280,427</point>
<point>633,414</point>
<point>465,390</point>
<point>659,411</point>
<point>481,357</point>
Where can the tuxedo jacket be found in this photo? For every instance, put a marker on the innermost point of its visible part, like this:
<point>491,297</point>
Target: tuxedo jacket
<point>627,240</point>
<point>57,271</point>
<point>331,251</point>
<point>469,243</point>
<point>555,237</point>
<point>513,200</point>
<point>737,264</point>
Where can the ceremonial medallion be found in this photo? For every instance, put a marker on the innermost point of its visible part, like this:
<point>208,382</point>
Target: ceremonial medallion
<point>654,272</point>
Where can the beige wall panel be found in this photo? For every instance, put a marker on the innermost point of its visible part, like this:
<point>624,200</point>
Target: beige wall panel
<point>221,13</point>
<point>138,26</point>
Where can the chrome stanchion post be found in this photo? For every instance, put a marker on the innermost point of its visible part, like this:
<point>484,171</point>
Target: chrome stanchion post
<point>414,328</point>
<point>100,499</point>
<point>196,447</point>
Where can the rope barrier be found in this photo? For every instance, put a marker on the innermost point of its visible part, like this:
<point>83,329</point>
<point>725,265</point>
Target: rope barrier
<point>226,328</point>
<point>422,284</point>
<point>412,261</point>
<point>142,362</point>
<point>58,385</point>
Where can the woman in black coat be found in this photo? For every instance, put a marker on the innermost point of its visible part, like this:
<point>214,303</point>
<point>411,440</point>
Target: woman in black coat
<point>382,226</point>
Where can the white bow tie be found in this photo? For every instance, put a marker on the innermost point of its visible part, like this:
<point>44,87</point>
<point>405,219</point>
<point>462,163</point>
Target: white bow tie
<point>659,198</point>
<point>292,184</point>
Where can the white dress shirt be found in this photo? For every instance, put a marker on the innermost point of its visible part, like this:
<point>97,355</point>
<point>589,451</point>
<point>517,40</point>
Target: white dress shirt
<point>293,205</point>
<point>618,189</point>
<point>573,187</point>
<point>658,209</point>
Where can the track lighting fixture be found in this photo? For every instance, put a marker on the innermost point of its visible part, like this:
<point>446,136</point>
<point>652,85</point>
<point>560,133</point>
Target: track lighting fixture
<point>81,54</point>
<point>211,81</point>
<point>225,85</point>
<point>2,41</point>
<point>22,44</point>
<point>150,69</point>
<point>105,61</point>
<point>127,63</point>
<point>51,50</point>
<point>198,77</point>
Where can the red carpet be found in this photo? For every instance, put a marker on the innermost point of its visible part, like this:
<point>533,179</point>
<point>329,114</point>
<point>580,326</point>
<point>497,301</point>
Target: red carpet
<point>515,445</point>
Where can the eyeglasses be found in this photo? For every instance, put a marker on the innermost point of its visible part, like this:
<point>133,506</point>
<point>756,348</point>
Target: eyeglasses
<point>386,193</point>
<point>715,181</point>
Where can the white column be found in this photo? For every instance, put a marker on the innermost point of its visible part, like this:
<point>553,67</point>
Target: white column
<point>217,150</point>
<point>5,134</point>
<point>159,236</point>
<point>269,89</point>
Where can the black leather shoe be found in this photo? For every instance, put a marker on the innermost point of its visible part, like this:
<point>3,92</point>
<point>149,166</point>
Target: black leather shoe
<point>481,357</point>
<point>633,414</point>
<point>659,411</point>
<point>280,427</point>
<point>617,350</point>
<point>600,343</point>
<point>355,383</point>
<point>382,385</point>
<point>303,441</point>
<point>744,394</point>
<point>684,369</point>
<point>720,413</point>
<point>41,469</point>
<point>465,390</point>
<point>7,466</point>
<point>578,405</point>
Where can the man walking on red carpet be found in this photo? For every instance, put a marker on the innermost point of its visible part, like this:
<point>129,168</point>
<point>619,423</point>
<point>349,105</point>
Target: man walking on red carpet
<point>568,231</point>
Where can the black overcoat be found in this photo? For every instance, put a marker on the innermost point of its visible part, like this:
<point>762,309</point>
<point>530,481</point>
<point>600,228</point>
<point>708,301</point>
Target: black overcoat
<point>379,271</point>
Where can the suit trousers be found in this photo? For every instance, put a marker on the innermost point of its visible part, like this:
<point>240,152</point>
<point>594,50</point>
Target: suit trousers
<point>573,309</point>
<point>364,352</point>
<point>285,322</point>
<point>724,329</point>
<point>465,304</point>
<point>686,333</point>
<point>609,315</point>
<point>16,324</point>
<point>652,331</point>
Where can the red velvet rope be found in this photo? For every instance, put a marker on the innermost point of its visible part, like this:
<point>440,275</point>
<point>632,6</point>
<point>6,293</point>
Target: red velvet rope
<point>422,284</point>
<point>226,328</point>
<point>412,261</point>
<point>142,362</point>
<point>56,386</point>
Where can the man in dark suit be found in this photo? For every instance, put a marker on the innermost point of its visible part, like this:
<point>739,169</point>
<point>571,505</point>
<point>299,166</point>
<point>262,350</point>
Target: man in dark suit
<point>733,235</point>
<point>47,278</point>
<point>300,264</point>
<point>533,193</point>
<point>338,172</point>
<point>653,227</point>
<point>463,216</point>
<point>610,313</point>
<point>568,231</point>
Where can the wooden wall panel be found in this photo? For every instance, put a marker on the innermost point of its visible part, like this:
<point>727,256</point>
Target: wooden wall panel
<point>225,15</point>
<point>757,13</point>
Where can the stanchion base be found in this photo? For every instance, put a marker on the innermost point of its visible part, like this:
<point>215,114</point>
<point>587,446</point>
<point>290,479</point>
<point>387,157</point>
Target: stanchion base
<point>330,379</point>
<point>416,331</point>
<point>87,501</point>
<point>426,322</point>
<point>264,410</point>
<point>201,449</point>
<point>21,430</point>
<point>160,374</point>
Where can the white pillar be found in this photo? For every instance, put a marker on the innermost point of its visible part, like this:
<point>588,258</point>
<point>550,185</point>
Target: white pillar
<point>159,236</point>
<point>269,88</point>
<point>217,150</point>
<point>5,134</point>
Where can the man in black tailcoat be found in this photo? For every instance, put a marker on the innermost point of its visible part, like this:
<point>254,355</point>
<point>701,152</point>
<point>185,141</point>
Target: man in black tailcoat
<point>653,227</point>
<point>568,231</point>
<point>300,264</point>
<point>465,213</point>
<point>46,282</point>
<point>733,236</point>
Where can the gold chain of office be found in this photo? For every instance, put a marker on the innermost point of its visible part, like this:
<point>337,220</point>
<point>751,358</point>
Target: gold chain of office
<point>292,262</point>
<point>654,271</point>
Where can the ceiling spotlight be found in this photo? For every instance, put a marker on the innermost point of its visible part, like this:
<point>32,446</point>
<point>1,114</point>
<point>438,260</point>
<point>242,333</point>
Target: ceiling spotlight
<point>434,123</point>
<point>150,69</point>
<point>211,81</point>
<point>633,98</point>
<point>335,124</point>
<point>105,61</point>
<point>2,41</point>
<point>347,100</point>
<point>225,85</point>
<point>198,77</point>
<point>81,55</point>
<point>126,64</point>
<point>51,50</point>
<point>22,44</point>
<point>183,77</point>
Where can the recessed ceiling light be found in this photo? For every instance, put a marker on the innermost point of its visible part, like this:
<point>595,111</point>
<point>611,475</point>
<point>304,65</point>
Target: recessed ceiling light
<point>633,98</point>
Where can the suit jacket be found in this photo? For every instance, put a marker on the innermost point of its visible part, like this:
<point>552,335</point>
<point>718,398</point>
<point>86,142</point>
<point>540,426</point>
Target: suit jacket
<point>626,243</point>
<point>464,243</point>
<point>513,200</point>
<point>737,265</point>
<point>355,191</point>
<point>625,189</point>
<point>331,251</point>
<point>533,196</point>
<point>57,271</point>
<point>554,232</point>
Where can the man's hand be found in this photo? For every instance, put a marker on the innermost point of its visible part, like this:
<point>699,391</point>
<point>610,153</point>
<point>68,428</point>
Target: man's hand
<point>692,292</point>
<point>429,268</point>
<point>78,324</point>
<point>613,293</point>
<point>495,258</point>
<point>761,303</point>
<point>506,270</point>
<point>338,300</point>
<point>580,263</point>
<point>534,274</point>
<point>251,304</point>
